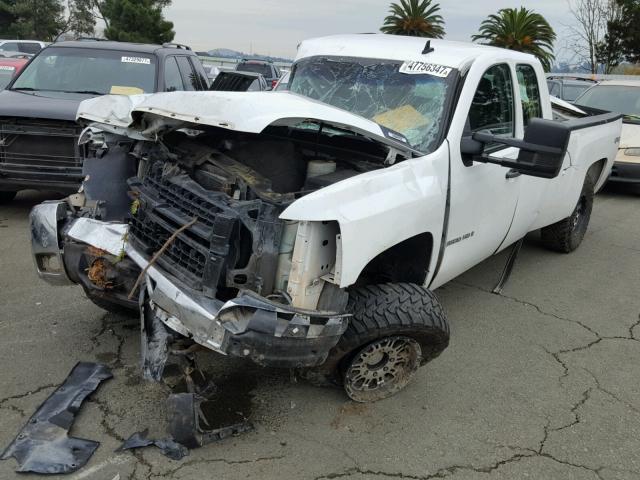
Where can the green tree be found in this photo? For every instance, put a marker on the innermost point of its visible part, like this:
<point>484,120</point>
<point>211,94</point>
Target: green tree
<point>82,16</point>
<point>417,18</point>
<point>519,29</point>
<point>624,33</point>
<point>31,19</point>
<point>137,21</point>
<point>7,17</point>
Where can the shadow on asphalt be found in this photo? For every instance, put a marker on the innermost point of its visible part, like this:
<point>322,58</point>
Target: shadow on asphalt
<point>27,199</point>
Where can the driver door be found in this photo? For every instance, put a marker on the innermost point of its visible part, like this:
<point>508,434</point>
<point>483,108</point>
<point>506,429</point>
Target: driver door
<point>483,196</point>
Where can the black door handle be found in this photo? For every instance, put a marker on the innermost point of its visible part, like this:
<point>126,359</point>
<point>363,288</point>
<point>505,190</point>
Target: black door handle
<point>512,174</point>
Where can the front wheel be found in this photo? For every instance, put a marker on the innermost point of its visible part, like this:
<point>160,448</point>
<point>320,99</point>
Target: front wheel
<point>567,234</point>
<point>395,328</point>
<point>382,368</point>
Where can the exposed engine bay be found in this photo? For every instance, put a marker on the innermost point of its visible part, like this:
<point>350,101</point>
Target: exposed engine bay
<point>236,185</point>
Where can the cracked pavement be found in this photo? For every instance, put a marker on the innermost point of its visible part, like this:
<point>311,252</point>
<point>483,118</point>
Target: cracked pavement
<point>541,382</point>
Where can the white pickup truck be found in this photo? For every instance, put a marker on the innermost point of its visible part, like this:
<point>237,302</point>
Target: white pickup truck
<point>308,228</point>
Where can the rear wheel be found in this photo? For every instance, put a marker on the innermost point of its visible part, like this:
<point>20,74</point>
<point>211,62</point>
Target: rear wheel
<point>394,329</point>
<point>567,234</point>
<point>6,197</point>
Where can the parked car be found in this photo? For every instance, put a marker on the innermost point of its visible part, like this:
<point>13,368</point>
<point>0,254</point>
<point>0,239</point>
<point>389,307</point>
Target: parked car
<point>9,68</point>
<point>283,82</point>
<point>268,70</point>
<point>621,96</point>
<point>212,72</point>
<point>38,129</point>
<point>308,229</point>
<point>568,88</point>
<point>234,81</point>
<point>19,55</point>
<point>23,46</point>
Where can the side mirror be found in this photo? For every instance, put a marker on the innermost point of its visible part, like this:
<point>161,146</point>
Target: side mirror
<point>542,150</point>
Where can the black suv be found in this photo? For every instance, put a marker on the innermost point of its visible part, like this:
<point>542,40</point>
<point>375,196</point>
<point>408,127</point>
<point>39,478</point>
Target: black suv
<point>267,69</point>
<point>38,130</point>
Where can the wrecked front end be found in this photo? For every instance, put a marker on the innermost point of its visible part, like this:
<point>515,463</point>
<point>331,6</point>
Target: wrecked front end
<point>177,288</point>
<point>194,236</point>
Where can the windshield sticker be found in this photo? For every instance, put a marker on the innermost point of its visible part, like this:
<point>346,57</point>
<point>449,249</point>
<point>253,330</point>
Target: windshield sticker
<point>6,68</point>
<point>140,60</point>
<point>421,68</point>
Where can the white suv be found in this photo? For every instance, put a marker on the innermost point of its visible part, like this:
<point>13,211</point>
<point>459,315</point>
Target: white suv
<point>30,47</point>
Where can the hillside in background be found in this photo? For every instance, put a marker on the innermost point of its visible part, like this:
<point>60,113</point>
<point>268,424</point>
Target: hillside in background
<point>228,53</point>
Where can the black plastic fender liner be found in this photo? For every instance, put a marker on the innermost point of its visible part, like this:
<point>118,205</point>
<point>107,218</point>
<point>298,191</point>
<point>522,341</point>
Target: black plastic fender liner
<point>43,446</point>
<point>168,446</point>
<point>185,414</point>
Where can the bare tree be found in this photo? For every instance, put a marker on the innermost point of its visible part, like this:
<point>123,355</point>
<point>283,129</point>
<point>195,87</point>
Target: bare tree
<point>588,32</point>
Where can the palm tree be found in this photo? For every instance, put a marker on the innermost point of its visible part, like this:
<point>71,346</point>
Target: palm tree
<point>522,30</point>
<point>417,18</point>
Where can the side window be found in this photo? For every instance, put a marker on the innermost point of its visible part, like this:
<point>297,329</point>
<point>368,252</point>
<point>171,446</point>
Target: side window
<point>255,86</point>
<point>32,48</point>
<point>554,88</point>
<point>529,93</point>
<point>201,74</point>
<point>492,109</point>
<point>10,47</point>
<point>172,77</point>
<point>189,77</point>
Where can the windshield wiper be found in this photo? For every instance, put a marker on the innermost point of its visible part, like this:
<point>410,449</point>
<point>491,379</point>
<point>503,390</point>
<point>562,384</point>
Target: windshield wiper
<point>81,92</point>
<point>84,92</point>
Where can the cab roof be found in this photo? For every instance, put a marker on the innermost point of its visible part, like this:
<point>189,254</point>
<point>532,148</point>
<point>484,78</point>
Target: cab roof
<point>401,48</point>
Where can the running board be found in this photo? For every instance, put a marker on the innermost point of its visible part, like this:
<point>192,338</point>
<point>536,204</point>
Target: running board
<point>508,268</point>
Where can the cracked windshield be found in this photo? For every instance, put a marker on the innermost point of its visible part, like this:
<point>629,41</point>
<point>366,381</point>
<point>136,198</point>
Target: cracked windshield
<point>410,104</point>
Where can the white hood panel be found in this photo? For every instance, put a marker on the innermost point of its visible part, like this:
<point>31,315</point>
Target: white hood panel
<point>249,112</point>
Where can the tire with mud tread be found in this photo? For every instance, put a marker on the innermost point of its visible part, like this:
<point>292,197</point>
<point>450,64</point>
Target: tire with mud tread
<point>6,197</point>
<point>566,235</point>
<point>381,315</point>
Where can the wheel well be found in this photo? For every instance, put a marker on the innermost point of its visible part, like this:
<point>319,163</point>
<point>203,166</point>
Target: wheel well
<point>407,261</point>
<point>595,170</point>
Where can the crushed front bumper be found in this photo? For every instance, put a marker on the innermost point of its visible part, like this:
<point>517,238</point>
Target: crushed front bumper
<point>249,326</point>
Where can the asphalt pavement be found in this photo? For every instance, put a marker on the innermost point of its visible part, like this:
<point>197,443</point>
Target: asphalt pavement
<point>542,382</point>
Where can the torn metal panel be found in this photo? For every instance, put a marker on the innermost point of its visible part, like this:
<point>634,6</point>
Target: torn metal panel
<point>43,445</point>
<point>314,256</point>
<point>168,446</point>
<point>154,339</point>
<point>43,222</point>
<point>185,416</point>
<point>110,237</point>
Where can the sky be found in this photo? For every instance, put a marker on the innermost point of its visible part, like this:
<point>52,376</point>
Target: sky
<point>275,27</point>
